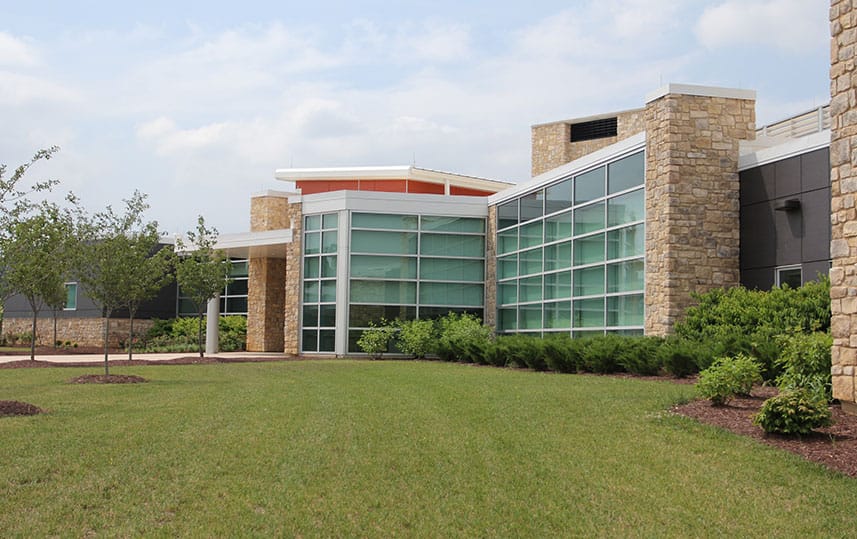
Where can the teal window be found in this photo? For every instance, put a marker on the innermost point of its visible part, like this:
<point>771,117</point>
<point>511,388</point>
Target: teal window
<point>328,291</point>
<point>530,261</point>
<point>507,266</point>
<point>310,316</point>
<point>626,242</point>
<point>530,316</point>
<point>452,269</point>
<point>589,250</point>
<point>625,276</point>
<point>383,292</point>
<point>558,256</point>
<point>626,208</point>
<point>532,206</point>
<point>531,234</point>
<point>388,267</point>
<point>384,221</point>
<point>558,227</point>
<point>508,293</point>
<point>507,214</point>
<point>530,289</point>
<point>507,241</point>
<point>588,313</point>
<point>312,243</point>
<point>312,222</point>
<point>453,224</point>
<point>625,310</point>
<point>589,281</point>
<point>311,267</point>
<point>558,285</point>
<point>328,266</point>
<point>328,241</point>
<point>70,297</point>
<point>589,219</point>
<point>311,289</point>
<point>360,316</point>
<point>452,245</point>
<point>558,315</point>
<point>589,186</point>
<point>457,294</point>
<point>626,173</point>
<point>507,319</point>
<point>558,197</point>
<point>383,242</point>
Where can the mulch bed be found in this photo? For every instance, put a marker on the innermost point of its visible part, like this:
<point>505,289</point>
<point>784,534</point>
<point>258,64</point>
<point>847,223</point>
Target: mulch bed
<point>107,379</point>
<point>12,408</point>
<point>186,360</point>
<point>834,446</point>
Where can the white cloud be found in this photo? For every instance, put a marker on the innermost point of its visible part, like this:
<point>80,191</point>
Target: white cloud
<point>16,52</point>
<point>17,89</point>
<point>789,25</point>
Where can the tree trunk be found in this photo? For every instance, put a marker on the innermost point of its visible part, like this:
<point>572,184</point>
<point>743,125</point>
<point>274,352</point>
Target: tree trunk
<point>130,334</point>
<point>55,328</point>
<point>106,335</point>
<point>33,337</point>
<point>199,336</point>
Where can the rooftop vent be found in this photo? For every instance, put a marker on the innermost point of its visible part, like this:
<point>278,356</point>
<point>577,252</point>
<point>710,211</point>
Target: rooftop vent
<point>603,128</point>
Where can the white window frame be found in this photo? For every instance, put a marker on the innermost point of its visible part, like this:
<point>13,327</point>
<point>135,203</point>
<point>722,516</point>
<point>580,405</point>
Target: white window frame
<point>780,269</point>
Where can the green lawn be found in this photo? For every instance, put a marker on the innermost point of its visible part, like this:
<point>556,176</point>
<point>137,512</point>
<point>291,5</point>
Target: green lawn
<point>358,448</point>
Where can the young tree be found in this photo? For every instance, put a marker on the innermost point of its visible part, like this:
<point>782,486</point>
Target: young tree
<point>202,271</point>
<point>36,254</point>
<point>109,257</point>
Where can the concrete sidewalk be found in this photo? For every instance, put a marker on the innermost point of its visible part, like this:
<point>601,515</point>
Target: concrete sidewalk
<point>99,358</point>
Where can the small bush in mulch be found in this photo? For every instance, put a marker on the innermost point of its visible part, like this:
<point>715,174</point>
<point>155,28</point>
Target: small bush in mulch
<point>12,408</point>
<point>107,379</point>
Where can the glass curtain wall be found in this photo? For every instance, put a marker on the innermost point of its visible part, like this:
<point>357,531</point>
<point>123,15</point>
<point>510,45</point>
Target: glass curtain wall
<point>570,255</point>
<point>411,266</point>
<point>233,299</point>
<point>318,317</point>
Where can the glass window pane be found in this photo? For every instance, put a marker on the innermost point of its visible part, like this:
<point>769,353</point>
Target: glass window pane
<point>558,256</point>
<point>625,310</point>
<point>311,267</point>
<point>383,292</point>
<point>186,307</point>
<point>327,316</point>
<point>626,173</point>
<point>236,305</point>
<point>312,222</point>
<point>626,242</point>
<point>588,313</point>
<point>558,285</point>
<point>328,242</point>
<point>328,291</point>
<point>451,245</point>
<point>452,294</point>
<point>532,205</point>
<point>558,315</point>
<point>382,220</point>
<point>589,281</point>
<point>369,241</point>
<point>309,342</point>
<point>312,243</point>
<point>238,287</point>
<point>507,293</point>
<point>453,224</point>
<point>531,261</point>
<point>238,268</point>
<point>452,269</point>
<point>310,317</point>
<point>330,220</point>
<point>390,267</point>
<point>589,219</point>
<point>328,266</point>
<point>507,319</point>
<point>530,289</point>
<point>507,266</point>
<point>558,227</point>
<point>428,313</point>
<point>311,292</point>
<point>70,296</point>
<point>626,208</point>
<point>625,276</point>
<point>589,186</point>
<point>530,316</point>
<point>507,241</point>
<point>589,250</point>
<point>792,277</point>
<point>362,315</point>
<point>507,214</point>
<point>558,196</point>
<point>326,340</point>
<point>531,235</point>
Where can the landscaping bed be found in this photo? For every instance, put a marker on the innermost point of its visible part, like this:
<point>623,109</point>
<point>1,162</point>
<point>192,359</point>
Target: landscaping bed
<point>12,408</point>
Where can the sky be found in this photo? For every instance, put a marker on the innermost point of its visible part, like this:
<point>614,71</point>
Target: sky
<point>196,103</point>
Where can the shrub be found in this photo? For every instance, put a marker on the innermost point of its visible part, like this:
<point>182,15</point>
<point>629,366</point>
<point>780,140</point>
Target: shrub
<point>727,377</point>
<point>600,354</point>
<point>797,411</point>
<point>180,334</point>
<point>462,337</point>
<point>376,340</point>
<point>562,353</point>
<point>681,357</point>
<point>523,350</point>
<point>805,363</point>
<point>417,337</point>
<point>639,355</point>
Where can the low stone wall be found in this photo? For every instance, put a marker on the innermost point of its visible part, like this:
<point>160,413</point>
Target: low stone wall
<point>79,331</point>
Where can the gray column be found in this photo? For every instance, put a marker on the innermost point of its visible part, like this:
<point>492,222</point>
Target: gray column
<point>212,329</point>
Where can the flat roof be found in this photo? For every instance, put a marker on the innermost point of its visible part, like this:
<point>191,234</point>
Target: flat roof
<point>403,172</point>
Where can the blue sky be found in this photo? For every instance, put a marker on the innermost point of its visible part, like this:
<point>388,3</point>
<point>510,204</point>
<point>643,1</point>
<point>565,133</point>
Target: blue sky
<point>196,103</point>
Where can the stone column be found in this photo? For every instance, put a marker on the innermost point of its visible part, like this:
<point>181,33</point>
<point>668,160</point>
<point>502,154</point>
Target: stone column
<point>692,189</point>
<point>843,190</point>
<point>491,269</point>
<point>266,278</point>
<point>292,307</point>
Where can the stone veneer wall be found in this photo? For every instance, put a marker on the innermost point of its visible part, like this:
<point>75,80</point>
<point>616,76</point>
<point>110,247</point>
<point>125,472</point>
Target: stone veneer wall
<point>692,204</point>
<point>266,279</point>
<point>843,184</point>
<point>80,331</point>
<point>491,269</point>
<point>552,146</point>
<point>294,251</point>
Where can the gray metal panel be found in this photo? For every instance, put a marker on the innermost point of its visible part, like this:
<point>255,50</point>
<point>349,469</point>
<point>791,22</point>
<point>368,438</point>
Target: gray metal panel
<point>758,279</point>
<point>811,270</point>
<point>752,187</point>
<point>787,174</point>
<point>789,235</point>
<point>815,170</point>
<point>758,236</point>
<point>815,211</point>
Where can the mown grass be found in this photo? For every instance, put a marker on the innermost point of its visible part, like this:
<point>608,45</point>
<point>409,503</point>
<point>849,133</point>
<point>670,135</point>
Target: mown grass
<point>342,448</point>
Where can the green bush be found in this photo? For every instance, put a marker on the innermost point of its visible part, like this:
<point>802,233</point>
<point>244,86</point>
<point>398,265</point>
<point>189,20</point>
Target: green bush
<point>797,411</point>
<point>728,377</point>
<point>562,353</point>
<point>181,334</point>
<point>805,363</point>
<point>376,340</point>
<point>601,353</point>
<point>463,337</point>
<point>417,338</point>
<point>682,357</point>
<point>639,355</point>
<point>523,350</point>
